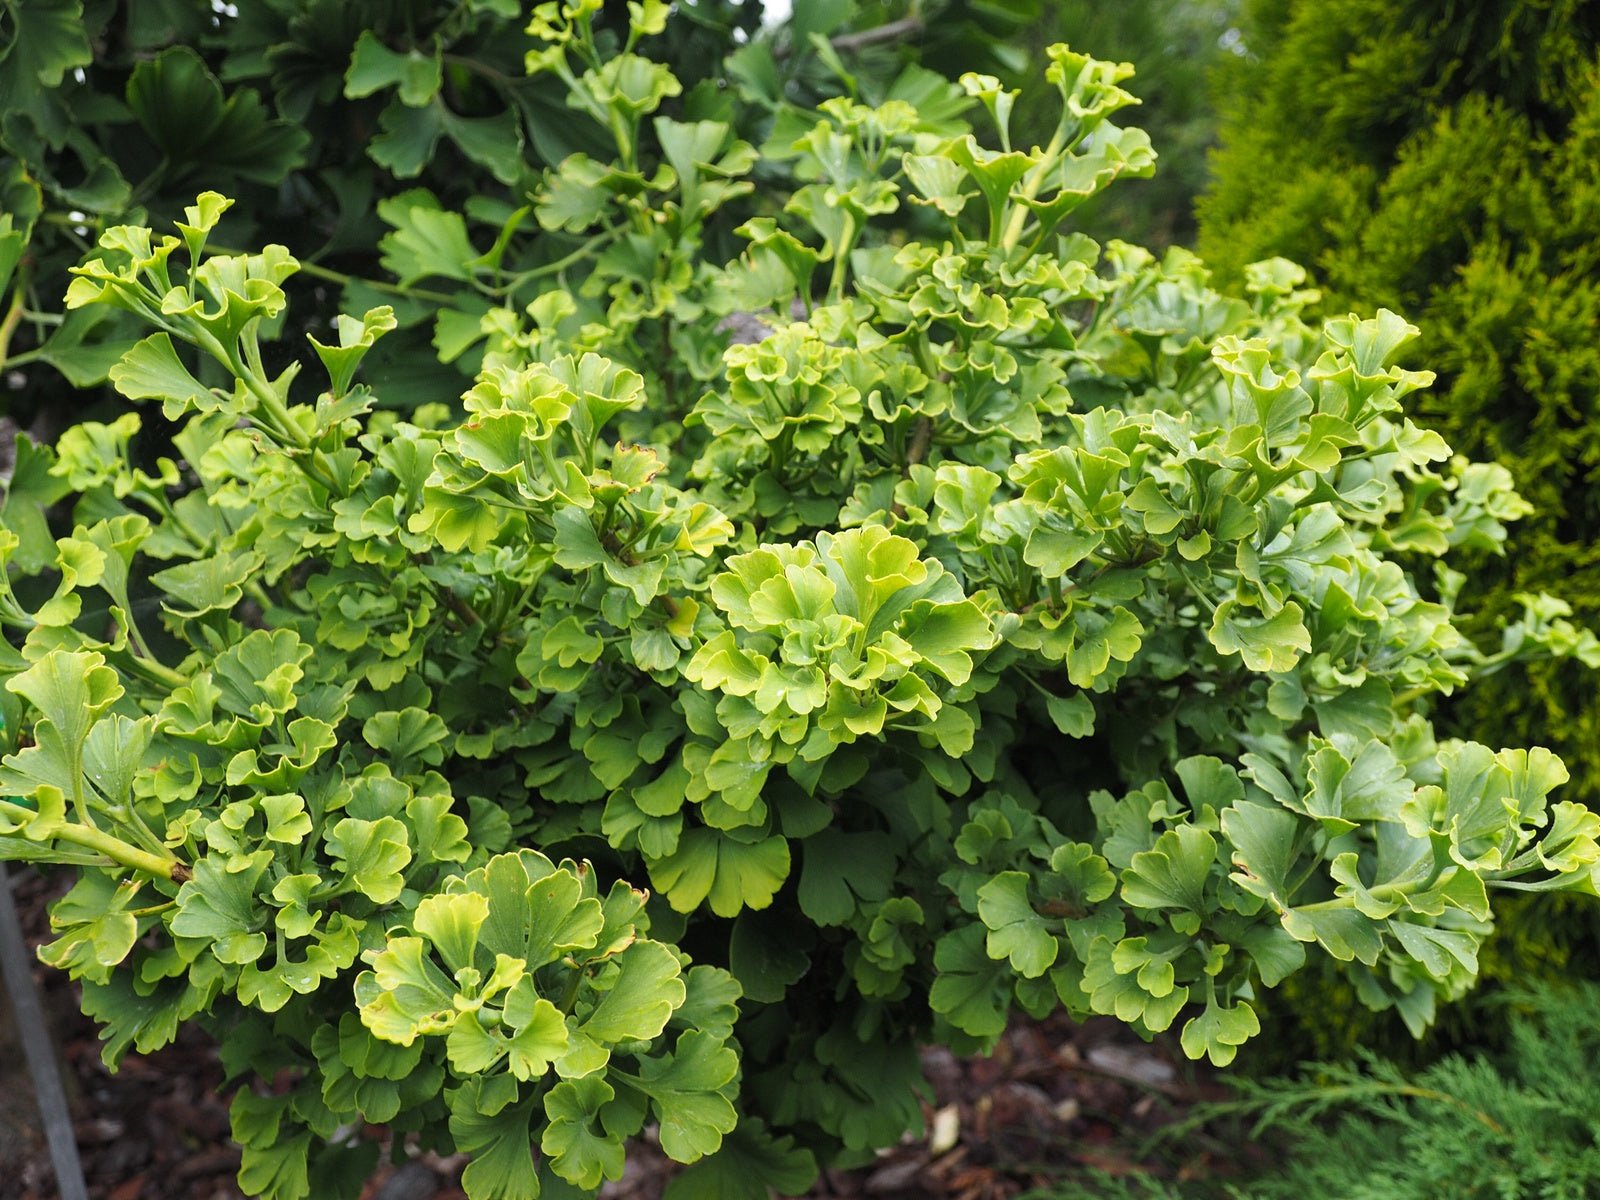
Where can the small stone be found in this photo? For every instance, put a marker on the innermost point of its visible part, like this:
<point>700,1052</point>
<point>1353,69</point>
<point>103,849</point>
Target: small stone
<point>895,1177</point>
<point>944,1131</point>
<point>411,1182</point>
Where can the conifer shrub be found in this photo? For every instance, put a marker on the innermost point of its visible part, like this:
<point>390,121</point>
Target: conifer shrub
<point>769,665</point>
<point>1437,157</point>
<point>1517,1123</point>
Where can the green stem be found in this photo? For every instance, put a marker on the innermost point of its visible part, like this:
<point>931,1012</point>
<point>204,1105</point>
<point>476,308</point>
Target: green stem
<point>841,262</point>
<point>281,420</point>
<point>153,910</point>
<point>23,359</point>
<point>8,324</point>
<point>254,377</point>
<point>1381,891</point>
<point>1030,188</point>
<point>112,847</point>
<point>316,271</point>
<point>153,671</point>
<point>561,264</point>
<point>571,996</point>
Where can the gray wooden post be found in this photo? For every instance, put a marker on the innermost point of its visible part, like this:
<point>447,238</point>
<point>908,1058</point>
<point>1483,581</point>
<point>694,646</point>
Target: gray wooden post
<point>17,969</point>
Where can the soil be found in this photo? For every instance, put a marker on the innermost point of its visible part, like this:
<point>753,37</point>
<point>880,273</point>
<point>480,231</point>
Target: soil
<point>1055,1098</point>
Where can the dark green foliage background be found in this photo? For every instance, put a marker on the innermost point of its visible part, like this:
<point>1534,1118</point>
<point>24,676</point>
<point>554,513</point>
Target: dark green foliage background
<point>1176,46</point>
<point>119,111</point>
<point>1439,157</point>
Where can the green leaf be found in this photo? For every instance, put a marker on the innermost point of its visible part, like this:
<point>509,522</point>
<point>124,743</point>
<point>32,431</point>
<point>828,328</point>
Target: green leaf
<point>47,39</point>
<point>840,872</point>
<point>182,107</point>
<point>1114,986</point>
<point>1218,1032</point>
<point>373,67</point>
<point>494,141</point>
<point>970,990</point>
<point>647,988</point>
<point>457,521</point>
<point>720,868</point>
<point>1016,931</point>
<point>497,1136</point>
<point>1072,715</point>
<point>207,584</point>
<point>31,492</point>
<point>541,1032</point>
<point>1173,875</point>
<point>1343,932</point>
<point>1081,875</point>
<point>412,734</point>
<point>452,923</point>
<point>688,1093</point>
<point>537,912</point>
<point>427,242</point>
<point>372,854</point>
<point>69,691</point>
<point>1265,844</point>
<point>766,957</point>
<point>355,339</point>
<point>1275,953</point>
<point>220,904</point>
<point>581,1150</point>
<point>938,181</point>
<point>560,919</point>
<point>96,931</point>
<point>751,1165</point>
<point>405,996</point>
<point>1056,551</point>
<point>153,371</point>
<point>1101,639</point>
<point>1268,645</point>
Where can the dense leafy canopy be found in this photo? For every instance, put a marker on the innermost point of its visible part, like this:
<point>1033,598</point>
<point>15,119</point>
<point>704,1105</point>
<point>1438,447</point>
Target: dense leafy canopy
<point>343,127</point>
<point>937,614</point>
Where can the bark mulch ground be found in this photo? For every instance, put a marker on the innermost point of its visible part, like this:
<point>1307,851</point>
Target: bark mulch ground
<point>1054,1098</point>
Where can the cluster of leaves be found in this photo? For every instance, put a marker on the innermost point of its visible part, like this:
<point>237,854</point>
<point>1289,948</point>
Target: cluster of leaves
<point>361,134</point>
<point>1178,46</point>
<point>1517,1124</point>
<point>1001,623</point>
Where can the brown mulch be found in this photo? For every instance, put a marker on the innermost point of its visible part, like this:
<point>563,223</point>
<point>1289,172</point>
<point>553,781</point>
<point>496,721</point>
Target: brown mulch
<point>1054,1098</point>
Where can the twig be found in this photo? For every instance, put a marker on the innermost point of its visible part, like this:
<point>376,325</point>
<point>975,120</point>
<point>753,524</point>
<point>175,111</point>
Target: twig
<point>13,316</point>
<point>921,440</point>
<point>848,43</point>
<point>463,611</point>
<point>921,443</point>
<point>317,271</point>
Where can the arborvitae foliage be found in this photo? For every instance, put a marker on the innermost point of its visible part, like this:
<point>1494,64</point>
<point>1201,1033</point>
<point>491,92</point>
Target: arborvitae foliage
<point>1438,156</point>
<point>1520,1126</point>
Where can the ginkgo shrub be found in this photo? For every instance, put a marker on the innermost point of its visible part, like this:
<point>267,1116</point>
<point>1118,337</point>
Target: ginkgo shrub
<point>676,734</point>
